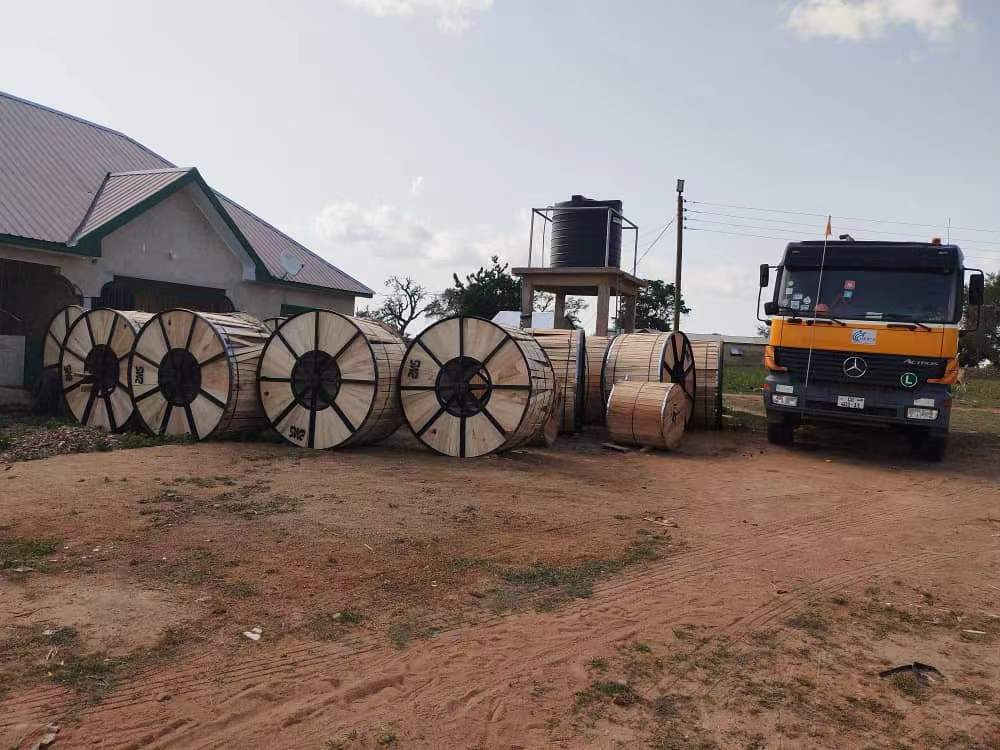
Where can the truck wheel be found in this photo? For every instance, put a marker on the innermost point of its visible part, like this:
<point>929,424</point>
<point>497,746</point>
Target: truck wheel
<point>780,433</point>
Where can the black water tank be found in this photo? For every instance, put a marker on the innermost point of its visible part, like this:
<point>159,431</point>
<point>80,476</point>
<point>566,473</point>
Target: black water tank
<point>580,238</point>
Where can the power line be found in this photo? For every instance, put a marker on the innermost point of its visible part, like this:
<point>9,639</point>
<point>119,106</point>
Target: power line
<point>980,253</point>
<point>847,218</point>
<point>651,244</point>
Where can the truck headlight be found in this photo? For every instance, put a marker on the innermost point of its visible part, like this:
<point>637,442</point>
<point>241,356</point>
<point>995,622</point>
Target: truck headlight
<point>783,399</point>
<point>919,412</point>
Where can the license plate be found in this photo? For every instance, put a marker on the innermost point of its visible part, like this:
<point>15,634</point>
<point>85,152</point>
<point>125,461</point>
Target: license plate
<point>850,402</point>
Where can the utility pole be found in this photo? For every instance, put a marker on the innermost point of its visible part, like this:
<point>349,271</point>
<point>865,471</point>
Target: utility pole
<point>679,221</point>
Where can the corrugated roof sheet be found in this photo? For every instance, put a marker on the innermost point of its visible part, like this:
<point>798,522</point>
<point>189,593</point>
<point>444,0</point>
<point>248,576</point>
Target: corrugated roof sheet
<point>122,191</point>
<point>53,165</point>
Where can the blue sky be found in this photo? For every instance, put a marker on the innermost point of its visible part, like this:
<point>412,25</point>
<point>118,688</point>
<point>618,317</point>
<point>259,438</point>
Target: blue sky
<point>411,136</point>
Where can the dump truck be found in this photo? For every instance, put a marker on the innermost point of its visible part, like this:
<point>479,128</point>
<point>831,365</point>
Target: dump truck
<point>866,333</point>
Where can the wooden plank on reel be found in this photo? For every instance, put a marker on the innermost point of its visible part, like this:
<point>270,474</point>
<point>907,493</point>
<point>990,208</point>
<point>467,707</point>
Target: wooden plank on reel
<point>651,358</point>
<point>329,380</point>
<point>470,387</point>
<point>708,362</point>
<point>647,414</point>
<point>55,334</point>
<point>195,373</point>
<point>567,352</point>
<point>597,350</point>
<point>93,366</point>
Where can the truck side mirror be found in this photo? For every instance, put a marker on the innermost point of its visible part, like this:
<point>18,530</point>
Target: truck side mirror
<point>770,308</point>
<point>977,291</point>
<point>765,275</point>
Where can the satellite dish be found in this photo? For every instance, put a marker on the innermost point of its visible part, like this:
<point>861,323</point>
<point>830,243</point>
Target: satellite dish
<point>291,263</point>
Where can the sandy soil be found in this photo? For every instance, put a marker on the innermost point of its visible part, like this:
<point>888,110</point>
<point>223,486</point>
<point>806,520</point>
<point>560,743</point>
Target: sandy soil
<point>755,610</point>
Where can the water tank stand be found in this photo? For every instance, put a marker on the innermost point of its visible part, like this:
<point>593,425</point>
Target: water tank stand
<point>600,282</point>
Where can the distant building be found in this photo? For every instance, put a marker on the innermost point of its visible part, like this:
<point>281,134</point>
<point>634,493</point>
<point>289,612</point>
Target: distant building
<point>744,350</point>
<point>90,216</point>
<point>512,319</point>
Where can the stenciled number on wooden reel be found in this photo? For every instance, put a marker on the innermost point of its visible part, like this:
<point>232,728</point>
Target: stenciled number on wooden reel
<point>93,366</point>
<point>329,380</point>
<point>469,387</point>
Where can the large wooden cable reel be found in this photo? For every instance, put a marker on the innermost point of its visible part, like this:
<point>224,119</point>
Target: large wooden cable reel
<point>469,387</point>
<point>194,373</point>
<point>329,380</point>
<point>567,352</point>
<point>647,414</point>
<point>679,369</point>
<point>55,334</point>
<point>93,366</point>
<point>594,402</point>
<point>708,356</point>
<point>651,358</point>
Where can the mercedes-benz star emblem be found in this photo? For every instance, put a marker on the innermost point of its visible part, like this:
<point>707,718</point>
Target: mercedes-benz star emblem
<point>855,367</point>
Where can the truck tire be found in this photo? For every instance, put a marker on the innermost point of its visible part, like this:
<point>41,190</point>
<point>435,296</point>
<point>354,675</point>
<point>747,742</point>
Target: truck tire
<point>780,433</point>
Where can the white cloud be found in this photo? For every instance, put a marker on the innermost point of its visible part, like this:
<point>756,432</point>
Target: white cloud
<point>858,20</point>
<point>453,16</point>
<point>417,186</point>
<point>402,242</point>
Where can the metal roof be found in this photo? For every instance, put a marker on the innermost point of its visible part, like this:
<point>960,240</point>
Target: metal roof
<point>122,191</point>
<point>62,177</point>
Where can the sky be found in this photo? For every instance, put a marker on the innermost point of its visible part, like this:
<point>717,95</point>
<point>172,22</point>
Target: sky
<point>412,137</point>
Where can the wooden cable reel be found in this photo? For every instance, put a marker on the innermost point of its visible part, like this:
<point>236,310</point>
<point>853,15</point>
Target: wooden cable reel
<point>56,332</point>
<point>469,387</point>
<point>651,358</point>
<point>596,350</point>
<point>708,361</point>
<point>566,350</point>
<point>547,436</point>
<point>93,366</point>
<point>329,380</point>
<point>647,414</point>
<point>195,373</point>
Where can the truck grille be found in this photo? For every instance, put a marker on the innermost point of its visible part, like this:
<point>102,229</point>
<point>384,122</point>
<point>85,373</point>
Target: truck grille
<point>879,369</point>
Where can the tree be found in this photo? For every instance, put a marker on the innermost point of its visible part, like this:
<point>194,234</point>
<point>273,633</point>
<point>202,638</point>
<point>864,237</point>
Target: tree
<point>403,304</point>
<point>492,289</point>
<point>484,293</point>
<point>983,343</point>
<point>572,307</point>
<point>654,308</point>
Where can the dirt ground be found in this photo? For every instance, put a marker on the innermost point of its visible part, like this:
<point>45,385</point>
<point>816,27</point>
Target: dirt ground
<point>728,595</point>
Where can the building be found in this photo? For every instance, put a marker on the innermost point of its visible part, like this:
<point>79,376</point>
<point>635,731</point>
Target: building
<point>743,350</point>
<point>90,216</point>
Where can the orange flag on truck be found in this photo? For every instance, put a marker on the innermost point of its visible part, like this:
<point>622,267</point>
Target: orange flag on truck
<point>829,226</point>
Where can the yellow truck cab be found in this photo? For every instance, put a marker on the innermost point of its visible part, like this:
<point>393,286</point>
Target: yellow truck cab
<point>866,333</point>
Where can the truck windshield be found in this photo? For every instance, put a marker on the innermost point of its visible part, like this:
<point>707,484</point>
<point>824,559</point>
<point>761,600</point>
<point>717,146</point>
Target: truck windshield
<point>919,296</point>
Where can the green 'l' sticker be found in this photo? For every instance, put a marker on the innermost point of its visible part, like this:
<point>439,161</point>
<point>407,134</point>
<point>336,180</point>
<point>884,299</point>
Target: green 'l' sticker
<point>908,379</point>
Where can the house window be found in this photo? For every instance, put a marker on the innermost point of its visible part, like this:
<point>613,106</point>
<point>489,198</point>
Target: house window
<point>735,351</point>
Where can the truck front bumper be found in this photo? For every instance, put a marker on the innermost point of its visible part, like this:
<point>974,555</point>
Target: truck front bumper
<point>927,406</point>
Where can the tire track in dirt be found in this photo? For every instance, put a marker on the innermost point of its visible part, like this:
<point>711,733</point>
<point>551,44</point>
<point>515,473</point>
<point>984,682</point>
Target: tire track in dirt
<point>303,660</point>
<point>300,713</point>
<point>827,586</point>
<point>705,545</point>
<point>676,569</point>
